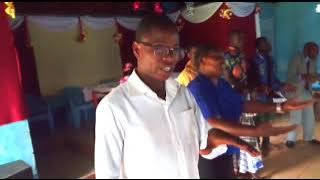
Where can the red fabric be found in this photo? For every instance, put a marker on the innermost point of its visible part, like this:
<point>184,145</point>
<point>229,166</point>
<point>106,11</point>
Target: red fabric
<point>12,107</point>
<point>30,82</point>
<point>128,36</point>
<point>214,31</point>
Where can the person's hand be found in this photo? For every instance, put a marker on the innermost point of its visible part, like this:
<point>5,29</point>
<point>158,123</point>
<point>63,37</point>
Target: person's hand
<point>293,104</point>
<point>264,89</point>
<point>266,129</point>
<point>289,88</point>
<point>218,137</point>
<point>316,96</point>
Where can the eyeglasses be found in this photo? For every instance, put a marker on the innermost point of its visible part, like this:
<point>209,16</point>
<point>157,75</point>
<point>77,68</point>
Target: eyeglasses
<point>163,51</point>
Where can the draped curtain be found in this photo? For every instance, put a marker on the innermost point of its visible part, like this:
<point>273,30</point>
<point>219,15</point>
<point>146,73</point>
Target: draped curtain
<point>29,77</point>
<point>12,107</point>
<point>215,31</point>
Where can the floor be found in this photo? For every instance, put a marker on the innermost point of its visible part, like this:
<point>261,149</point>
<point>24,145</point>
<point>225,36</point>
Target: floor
<point>66,154</point>
<point>69,154</point>
<point>303,161</point>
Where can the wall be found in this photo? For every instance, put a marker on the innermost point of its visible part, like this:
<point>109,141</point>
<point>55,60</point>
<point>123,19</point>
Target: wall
<point>296,23</point>
<point>267,20</point>
<point>15,144</point>
<point>62,61</point>
<point>291,24</point>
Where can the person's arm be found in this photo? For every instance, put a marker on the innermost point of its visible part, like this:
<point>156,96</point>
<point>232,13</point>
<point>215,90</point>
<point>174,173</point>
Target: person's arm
<point>213,141</point>
<point>108,143</point>
<point>238,129</point>
<point>290,105</point>
<point>217,137</point>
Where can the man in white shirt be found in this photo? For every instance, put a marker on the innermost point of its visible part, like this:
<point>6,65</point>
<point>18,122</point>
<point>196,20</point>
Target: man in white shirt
<point>150,126</point>
<point>302,72</point>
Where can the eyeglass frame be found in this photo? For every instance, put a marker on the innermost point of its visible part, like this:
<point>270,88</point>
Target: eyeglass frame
<point>168,52</point>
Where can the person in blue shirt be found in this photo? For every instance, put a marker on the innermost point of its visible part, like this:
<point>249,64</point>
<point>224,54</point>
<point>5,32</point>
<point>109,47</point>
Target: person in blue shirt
<point>222,106</point>
<point>268,81</point>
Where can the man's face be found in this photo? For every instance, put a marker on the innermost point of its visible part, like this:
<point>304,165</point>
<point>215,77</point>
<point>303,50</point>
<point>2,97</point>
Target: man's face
<point>313,52</point>
<point>265,46</point>
<point>237,40</point>
<point>214,65</point>
<point>152,54</point>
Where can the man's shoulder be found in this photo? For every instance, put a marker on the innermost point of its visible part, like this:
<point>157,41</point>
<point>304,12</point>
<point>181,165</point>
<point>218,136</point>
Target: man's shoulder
<point>195,82</point>
<point>117,95</point>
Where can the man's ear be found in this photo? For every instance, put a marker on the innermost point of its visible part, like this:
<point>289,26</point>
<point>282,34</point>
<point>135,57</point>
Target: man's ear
<point>136,49</point>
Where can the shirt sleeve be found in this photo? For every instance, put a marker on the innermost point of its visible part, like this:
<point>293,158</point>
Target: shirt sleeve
<point>108,143</point>
<point>206,104</point>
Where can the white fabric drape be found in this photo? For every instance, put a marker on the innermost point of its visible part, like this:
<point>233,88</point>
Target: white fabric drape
<point>98,23</point>
<point>15,23</point>
<point>128,23</point>
<point>56,24</point>
<point>202,13</point>
<point>241,9</point>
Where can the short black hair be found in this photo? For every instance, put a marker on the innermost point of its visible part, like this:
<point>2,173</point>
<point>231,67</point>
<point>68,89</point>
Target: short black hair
<point>204,51</point>
<point>154,21</point>
<point>310,44</point>
<point>260,40</point>
<point>236,32</point>
<point>192,45</point>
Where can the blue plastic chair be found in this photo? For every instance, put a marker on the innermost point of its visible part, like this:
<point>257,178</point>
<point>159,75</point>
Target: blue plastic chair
<point>76,106</point>
<point>39,110</point>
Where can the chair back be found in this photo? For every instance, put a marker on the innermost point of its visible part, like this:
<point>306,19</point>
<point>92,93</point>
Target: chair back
<point>74,95</point>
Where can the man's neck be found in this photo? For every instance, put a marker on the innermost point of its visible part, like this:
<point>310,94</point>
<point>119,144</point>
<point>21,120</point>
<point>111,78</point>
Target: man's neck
<point>155,85</point>
<point>264,54</point>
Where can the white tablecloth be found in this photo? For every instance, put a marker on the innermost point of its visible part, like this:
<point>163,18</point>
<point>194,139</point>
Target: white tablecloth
<point>102,88</point>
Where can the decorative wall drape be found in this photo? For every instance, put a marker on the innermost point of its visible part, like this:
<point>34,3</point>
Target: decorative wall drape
<point>12,107</point>
<point>204,26</point>
<point>215,31</point>
<point>29,76</point>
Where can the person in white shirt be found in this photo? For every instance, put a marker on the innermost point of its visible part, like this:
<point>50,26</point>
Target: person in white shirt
<point>302,72</point>
<point>150,126</point>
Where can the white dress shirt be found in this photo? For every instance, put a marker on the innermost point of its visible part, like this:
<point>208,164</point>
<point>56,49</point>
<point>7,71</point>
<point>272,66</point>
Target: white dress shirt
<point>139,135</point>
<point>296,68</point>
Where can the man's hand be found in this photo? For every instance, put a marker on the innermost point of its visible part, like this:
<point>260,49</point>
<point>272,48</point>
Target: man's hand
<point>293,104</point>
<point>263,89</point>
<point>289,88</point>
<point>316,96</point>
<point>266,129</point>
<point>218,137</point>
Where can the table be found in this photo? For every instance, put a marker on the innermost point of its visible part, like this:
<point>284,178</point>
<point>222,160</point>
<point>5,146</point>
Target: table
<point>96,93</point>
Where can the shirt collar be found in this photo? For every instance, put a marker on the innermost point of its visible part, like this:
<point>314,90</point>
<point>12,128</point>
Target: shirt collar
<point>306,59</point>
<point>260,56</point>
<point>138,87</point>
